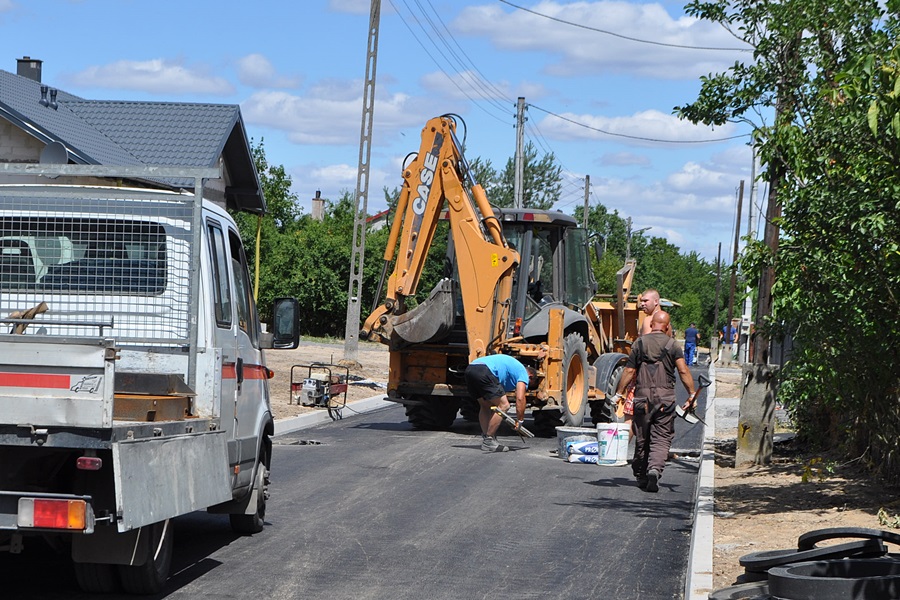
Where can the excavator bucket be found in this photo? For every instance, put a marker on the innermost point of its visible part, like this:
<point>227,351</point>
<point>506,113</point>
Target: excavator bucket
<point>430,321</point>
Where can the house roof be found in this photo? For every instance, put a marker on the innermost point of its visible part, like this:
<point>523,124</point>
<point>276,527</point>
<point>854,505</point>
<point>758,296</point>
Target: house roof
<point>108,132</point>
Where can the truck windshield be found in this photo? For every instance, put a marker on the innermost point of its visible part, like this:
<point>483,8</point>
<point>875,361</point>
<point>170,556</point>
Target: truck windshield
<point>82,256</point>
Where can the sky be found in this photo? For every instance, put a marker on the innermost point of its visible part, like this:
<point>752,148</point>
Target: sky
<point>600,80</point>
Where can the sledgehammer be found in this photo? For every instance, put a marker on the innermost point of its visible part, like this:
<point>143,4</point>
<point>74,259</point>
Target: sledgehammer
<point>520,429</point>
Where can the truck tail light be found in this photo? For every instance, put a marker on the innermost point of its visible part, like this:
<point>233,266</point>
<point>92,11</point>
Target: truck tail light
<point>44,513</point>
<point>88,463</point>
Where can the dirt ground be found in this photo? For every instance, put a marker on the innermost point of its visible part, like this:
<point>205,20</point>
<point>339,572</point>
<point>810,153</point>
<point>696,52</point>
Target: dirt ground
<point>367,376</point>
<point>756,508</point>
<point>760,508</point>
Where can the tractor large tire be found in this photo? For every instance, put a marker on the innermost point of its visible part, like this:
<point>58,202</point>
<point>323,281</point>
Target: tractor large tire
<point>575,384</point>
<point>433,413</point>
<point>609,371</point>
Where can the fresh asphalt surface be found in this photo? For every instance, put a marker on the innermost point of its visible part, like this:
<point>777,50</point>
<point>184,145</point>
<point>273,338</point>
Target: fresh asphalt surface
<point>368,508</point>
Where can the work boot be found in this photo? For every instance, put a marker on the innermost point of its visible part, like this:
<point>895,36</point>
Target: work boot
<point>642,482</point>
<point>490,444</point>
<point>652,480</point>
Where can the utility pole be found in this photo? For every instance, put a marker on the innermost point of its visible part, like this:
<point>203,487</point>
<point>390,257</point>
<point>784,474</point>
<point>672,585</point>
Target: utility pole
<point>726,343</point>
<point>746,318</point>
<point>518,180</point>
<point>714,339</point>
<point>587,202</point>
<point>351,334</point>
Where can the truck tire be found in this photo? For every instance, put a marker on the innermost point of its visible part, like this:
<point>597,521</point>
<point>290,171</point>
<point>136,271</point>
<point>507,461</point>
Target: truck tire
<point>575,383</point>
<point>96,578</point>
<point>469,410</point>
<point>150,577</point>
<point>433,413</point>
<point>243,524</point>
<point>609,371</point>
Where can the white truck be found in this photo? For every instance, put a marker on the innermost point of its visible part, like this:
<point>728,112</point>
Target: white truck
<point>133,383</point>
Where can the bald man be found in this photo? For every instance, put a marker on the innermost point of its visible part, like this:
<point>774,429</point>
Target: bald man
<point>653,361</point>
<point>648,302</point>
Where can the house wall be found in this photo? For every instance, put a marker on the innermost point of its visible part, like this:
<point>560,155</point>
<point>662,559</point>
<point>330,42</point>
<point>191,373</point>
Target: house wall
<point>18,146</point>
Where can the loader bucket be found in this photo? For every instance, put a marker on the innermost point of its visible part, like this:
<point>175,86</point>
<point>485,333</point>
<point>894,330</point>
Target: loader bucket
<point>432,320</point>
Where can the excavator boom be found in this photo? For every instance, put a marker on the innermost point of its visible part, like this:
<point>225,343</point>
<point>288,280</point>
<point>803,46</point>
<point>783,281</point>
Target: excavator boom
<point>436,180</point>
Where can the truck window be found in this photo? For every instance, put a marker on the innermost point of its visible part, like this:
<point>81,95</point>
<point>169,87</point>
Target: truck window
<point>246,308</point>
<point>221,284</point>
<point>82,256</point>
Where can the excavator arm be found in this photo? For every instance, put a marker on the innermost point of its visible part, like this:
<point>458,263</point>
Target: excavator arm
<point>437,179</point>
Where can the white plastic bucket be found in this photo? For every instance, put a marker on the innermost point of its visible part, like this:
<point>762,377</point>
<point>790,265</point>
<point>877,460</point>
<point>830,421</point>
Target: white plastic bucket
<point>572,434</point>
<point>612,444</point>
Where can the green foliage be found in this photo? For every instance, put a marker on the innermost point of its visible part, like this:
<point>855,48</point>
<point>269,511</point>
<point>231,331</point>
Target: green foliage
<point>541,181</point>
<point>832,71</point>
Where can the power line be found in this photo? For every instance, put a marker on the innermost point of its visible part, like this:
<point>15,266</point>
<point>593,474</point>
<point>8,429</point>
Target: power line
<point>637,137</point>
<point>431,56</point>
<point>624,37</point>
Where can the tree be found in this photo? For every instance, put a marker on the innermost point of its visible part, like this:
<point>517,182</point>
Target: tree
<point>830,70</point>
<point>541,181</point>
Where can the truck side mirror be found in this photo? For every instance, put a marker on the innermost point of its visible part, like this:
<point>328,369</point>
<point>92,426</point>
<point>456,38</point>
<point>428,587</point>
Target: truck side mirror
<point>285,323</point>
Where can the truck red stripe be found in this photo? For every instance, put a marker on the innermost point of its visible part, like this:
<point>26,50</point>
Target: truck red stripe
<point>35,380</point>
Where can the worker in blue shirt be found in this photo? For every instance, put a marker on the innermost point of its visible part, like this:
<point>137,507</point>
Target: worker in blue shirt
<point>488,379</point>
<point>691,335</point>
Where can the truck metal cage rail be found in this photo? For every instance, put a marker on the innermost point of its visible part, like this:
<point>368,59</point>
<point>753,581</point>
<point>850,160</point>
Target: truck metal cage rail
<point>75,256</point>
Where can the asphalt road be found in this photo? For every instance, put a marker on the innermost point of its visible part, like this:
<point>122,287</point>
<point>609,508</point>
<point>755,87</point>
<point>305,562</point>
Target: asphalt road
<point>367,508</point>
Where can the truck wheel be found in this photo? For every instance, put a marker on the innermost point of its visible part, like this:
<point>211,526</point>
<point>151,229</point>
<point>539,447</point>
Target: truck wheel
<point>96,578</point>
<point>243,524</point>
<point>469,410</point>
<point>609,371</point>
<point>546,421</point>
<point>150,577</point>
<point>575,384</point>
<point>434,413</point>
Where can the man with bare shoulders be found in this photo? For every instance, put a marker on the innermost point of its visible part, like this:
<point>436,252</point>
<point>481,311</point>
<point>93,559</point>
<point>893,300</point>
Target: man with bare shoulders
<point>648,302</point>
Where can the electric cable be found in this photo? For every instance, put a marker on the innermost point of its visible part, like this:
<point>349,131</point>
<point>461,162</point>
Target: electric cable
<point>624,37</point>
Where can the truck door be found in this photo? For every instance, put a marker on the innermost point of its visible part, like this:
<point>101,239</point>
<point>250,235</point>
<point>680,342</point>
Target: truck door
<point>225,334</point>
<point>252,395</point>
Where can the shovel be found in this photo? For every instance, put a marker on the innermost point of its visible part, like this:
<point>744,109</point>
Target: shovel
<point>691,415</point>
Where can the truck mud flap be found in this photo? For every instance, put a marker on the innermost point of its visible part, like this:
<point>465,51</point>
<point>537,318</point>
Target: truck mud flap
<point>432,320</point>
<point>161,478</point>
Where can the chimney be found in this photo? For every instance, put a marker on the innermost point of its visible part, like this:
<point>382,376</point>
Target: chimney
<point>318,207</point>
<point>29,67</point>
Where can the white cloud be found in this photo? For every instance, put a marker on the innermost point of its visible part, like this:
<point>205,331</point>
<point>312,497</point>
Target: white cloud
<point>256,70</point>
<point>584,48</point>
<point>329,114</point>
<point>692,207</point>
<point>157,76</point>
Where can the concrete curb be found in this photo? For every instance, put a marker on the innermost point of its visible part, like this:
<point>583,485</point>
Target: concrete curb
<point>318,417</point>
<point>699,581</point>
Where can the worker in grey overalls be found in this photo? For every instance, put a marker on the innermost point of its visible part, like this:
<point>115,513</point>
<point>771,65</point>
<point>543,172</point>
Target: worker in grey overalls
<point>653,360</point>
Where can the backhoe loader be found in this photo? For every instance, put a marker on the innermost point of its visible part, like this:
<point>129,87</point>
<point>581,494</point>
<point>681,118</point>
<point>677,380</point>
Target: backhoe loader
<point>517,281</point>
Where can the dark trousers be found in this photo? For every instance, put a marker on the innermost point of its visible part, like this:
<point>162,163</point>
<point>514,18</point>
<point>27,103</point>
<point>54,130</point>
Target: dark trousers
<point>654,429</point>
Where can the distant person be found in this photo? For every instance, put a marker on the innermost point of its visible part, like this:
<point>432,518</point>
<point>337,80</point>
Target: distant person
<point>488,379</point>
<point>653,360</point>
<point>729,335</point>
<point>648,302</point>
<point>691,335</point>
